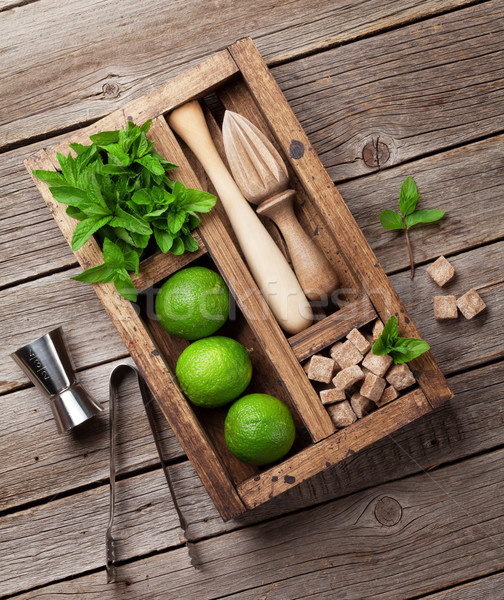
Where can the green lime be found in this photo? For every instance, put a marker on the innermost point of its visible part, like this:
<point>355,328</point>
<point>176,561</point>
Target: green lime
<point>193,303</point>
<point>259,429</point>
<point>213,371</point>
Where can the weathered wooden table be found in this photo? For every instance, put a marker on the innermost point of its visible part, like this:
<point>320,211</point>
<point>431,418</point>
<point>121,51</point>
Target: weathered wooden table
<point>383,90</point>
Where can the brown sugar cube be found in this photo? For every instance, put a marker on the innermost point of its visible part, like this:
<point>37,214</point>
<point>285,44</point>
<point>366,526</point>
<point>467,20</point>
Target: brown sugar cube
<point>342,414</point>
<point>441,271</point>
<point>361,405</point>
<point>400,377</point>
<point>445,307</point>
<point>377,364</point>
<point>389,394</point>
<point>347,355</point>
<point>332,395</point>
<point>359,341</point>
<point>335,349</point>
<point>377,329</point>
<point>373,387</point>
<point>470,304</point>
<point>321,369</point>
<point>347,377</point>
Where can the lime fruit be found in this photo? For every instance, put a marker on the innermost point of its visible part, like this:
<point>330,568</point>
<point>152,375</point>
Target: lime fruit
<point>213,371</point>
<point>193,303</point>
<point>259,429</point>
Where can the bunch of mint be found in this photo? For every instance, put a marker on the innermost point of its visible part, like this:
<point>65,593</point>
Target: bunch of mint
<point>401,349</point>
<point>118,190</point>
<point>408,199</point>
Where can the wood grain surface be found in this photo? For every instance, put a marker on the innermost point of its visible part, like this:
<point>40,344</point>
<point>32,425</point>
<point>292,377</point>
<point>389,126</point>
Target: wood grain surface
<point>384,90</point>
<point>117,54</point>
<point>296,554</point>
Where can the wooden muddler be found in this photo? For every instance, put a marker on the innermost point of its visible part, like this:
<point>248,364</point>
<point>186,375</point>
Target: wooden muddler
<point>270,269</point>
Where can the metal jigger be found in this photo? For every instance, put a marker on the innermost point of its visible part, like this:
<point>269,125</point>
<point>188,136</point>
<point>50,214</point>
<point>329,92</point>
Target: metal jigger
<point>46,361</point>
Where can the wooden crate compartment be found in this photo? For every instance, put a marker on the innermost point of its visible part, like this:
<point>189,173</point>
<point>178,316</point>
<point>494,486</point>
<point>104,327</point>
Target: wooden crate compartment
<point>264,377</point>
<point>243,83</point>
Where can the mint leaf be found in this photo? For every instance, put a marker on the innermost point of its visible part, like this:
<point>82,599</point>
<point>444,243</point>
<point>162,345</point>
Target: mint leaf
<point>164,239</point>
<point>199,201</point>
<point>75,213</point>
<point>85,230</point>
<point>408,197</point>
<point>117,156</point>
<point>130,222</point>
<point>424,216</point>
<point>68,169</point>
<point>391,220</point>
<point>156,213</point>
<point>142,197</point>
<point>105,137</point>
<point>93,274</point>
<point>380,348</point>
<point>190,244</point>
<point>146,126</point>
<point>400,349</point>
<point>151,163</point>
<point>69,195</point>
<point>125,287</point>
<point>178,247</point>
<point>50,177</point>
<point>409,349</point>
<point>175,220</point>
<point>131,261</point>
<point>112,255</point>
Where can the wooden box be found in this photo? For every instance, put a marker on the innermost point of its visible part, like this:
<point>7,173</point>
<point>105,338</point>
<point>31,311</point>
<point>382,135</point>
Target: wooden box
<point>243,83</point>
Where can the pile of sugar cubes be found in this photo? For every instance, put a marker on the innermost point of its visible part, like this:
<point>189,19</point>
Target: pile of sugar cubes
<point>360,380</point>
<point>447,307</point>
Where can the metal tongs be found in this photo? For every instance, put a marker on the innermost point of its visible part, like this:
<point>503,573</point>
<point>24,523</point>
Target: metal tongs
<point>115,378</point>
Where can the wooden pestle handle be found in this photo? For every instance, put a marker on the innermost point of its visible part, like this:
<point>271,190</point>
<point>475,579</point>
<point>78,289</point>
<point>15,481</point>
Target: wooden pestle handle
<point>315,273</point>
<point>270,269</point>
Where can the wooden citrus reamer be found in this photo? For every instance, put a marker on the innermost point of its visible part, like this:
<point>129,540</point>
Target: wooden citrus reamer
<point>262,176</point>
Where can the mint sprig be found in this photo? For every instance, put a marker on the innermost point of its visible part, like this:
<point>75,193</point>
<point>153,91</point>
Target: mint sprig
<point>401,349</point>
<point>118,189</point>
<point>408,199</point>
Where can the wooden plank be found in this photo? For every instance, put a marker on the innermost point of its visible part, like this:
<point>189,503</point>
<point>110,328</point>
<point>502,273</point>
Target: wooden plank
<point>457,176</point>
<point>150,362</point>
<point>118,53</point>
<point>489,588</point>
<point>472,423</point>
<point>321,190</point>
<point>314,459</point>
<point>252,304</point>
<point>447,523</point>
<point>56,300</point>
<point>332,328</point>
<point>406,93</point>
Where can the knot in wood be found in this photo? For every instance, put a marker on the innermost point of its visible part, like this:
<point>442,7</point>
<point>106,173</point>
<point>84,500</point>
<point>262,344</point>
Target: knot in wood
<point>388,511</point>
<point>375,153</point>
<point>111,90</point>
